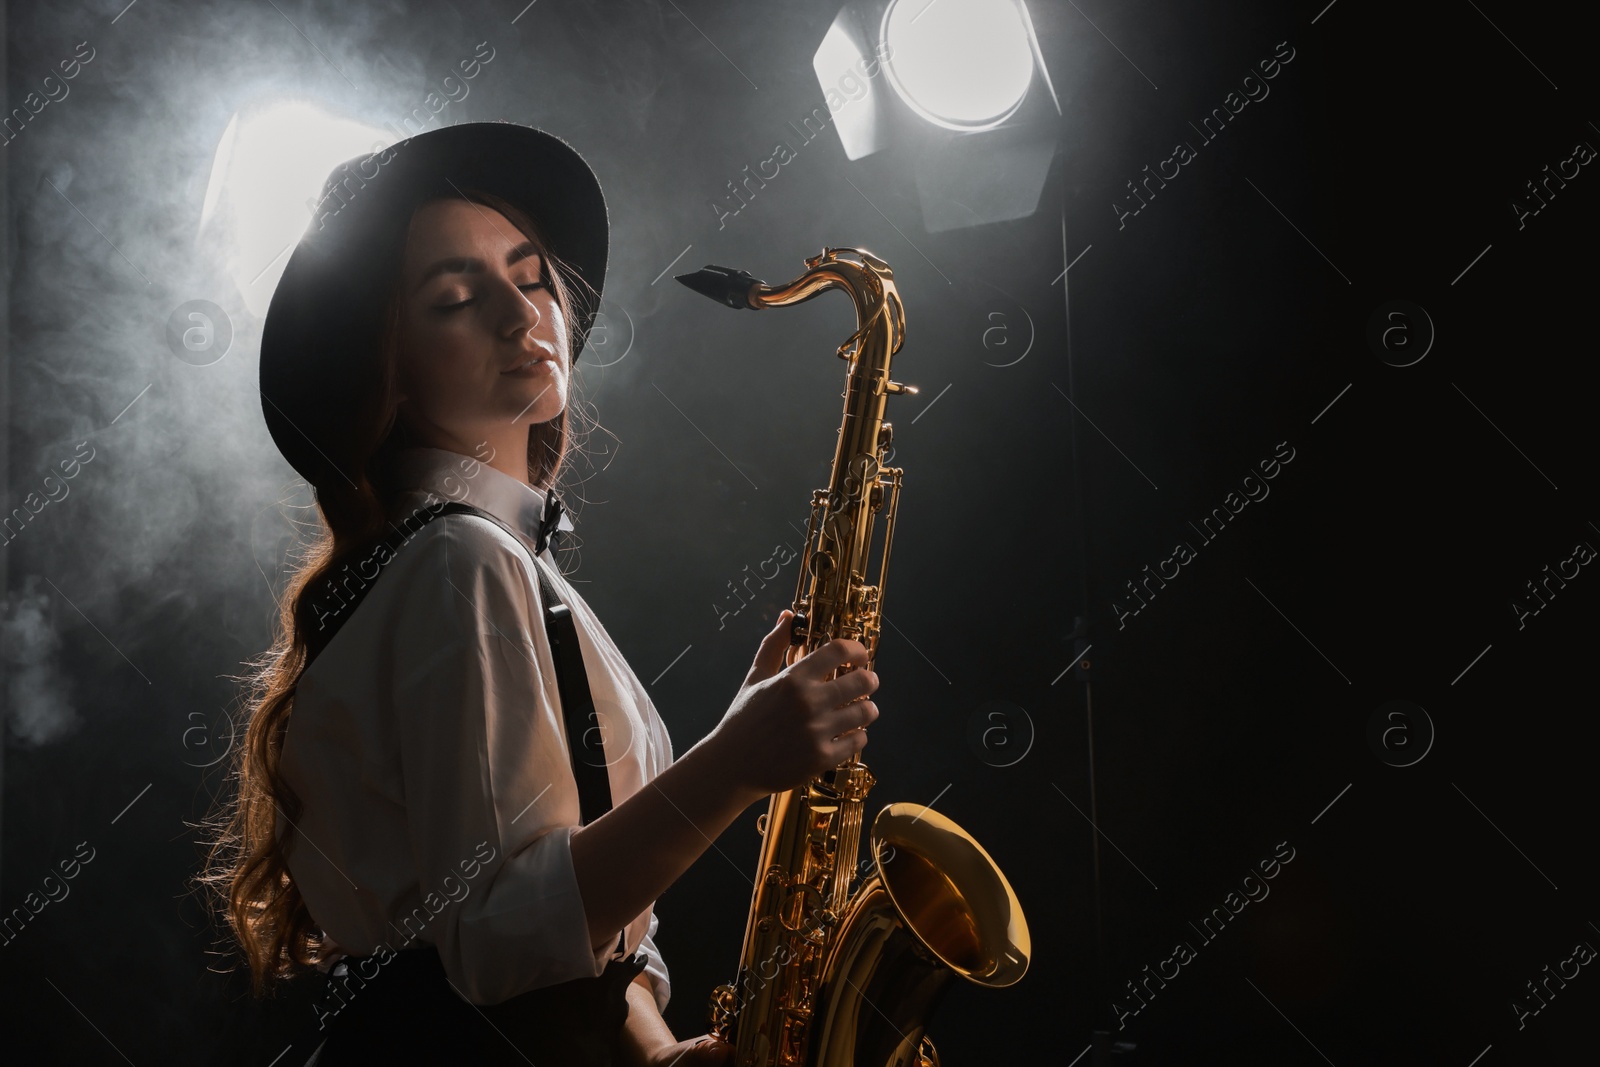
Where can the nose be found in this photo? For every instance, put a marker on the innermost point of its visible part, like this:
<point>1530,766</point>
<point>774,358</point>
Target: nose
<point>522,313</point>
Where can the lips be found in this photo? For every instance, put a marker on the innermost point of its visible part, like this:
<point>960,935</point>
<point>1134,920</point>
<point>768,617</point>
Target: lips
<point>529,362</point>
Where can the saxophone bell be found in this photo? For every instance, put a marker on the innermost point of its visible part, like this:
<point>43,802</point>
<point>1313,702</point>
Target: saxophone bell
<point>935,907</point>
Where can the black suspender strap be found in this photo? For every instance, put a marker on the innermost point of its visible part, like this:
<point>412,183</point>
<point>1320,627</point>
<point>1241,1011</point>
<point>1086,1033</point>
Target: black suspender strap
<point>585,745</point>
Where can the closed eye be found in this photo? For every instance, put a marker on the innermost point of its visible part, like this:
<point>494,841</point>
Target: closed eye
<point>458,306</point>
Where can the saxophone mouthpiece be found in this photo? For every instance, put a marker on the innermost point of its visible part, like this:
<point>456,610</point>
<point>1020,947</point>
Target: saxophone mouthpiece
<point>722,284</point>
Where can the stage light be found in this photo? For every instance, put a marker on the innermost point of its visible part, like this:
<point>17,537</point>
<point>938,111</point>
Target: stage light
<point>265,178</point>
<point>945,91</point>
<point>960,64</point>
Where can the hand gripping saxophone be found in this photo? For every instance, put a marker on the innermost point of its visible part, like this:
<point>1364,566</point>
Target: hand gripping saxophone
<point>829,977</point>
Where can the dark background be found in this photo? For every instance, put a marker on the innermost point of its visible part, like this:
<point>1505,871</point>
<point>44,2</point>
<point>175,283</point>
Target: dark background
<point>1230,715</point>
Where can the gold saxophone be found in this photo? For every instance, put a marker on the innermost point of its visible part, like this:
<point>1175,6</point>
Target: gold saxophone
<point>830,977</point>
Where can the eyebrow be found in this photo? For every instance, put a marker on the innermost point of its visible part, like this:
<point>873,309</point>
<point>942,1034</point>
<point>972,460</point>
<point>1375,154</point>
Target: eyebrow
<point>468,265</point>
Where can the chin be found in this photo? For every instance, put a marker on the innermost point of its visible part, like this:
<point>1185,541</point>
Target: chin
<point>539,413</point>
<point>527,404</point>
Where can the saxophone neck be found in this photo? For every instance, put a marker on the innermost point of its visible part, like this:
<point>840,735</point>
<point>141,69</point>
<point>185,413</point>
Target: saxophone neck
<point>867,279</point>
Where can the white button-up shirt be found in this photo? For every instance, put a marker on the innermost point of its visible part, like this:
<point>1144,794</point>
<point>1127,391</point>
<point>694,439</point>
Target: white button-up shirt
<point>428,746</point>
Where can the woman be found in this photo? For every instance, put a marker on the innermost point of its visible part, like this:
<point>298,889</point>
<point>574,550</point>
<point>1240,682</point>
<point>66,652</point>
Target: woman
<point>406,804</point>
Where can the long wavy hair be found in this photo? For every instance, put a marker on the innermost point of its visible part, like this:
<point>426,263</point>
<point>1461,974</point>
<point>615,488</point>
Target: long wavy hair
<point>245,876</point>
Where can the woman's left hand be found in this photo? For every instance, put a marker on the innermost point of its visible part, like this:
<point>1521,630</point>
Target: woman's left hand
<point>702,1051</point>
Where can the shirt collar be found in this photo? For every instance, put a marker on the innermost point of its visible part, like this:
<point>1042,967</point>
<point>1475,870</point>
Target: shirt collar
<point>454,476</point>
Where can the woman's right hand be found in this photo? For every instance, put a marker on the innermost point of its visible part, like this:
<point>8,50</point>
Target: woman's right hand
<point>790,723</point>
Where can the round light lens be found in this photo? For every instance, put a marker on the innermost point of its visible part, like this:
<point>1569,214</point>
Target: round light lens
<point>961,64</point>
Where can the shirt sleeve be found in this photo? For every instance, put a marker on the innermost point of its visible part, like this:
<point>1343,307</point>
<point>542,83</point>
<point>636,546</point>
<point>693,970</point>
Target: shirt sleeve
<point>655,966</point>
<point>488,790</point>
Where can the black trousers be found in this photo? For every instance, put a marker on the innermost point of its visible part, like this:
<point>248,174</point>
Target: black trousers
<point>405,1011</point>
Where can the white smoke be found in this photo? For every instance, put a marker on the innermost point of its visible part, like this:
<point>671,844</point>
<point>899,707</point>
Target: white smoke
<point>38,704</point>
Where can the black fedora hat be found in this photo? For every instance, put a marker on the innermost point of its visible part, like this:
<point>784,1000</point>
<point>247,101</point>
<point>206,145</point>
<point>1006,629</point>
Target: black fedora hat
<point>319,352</point>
